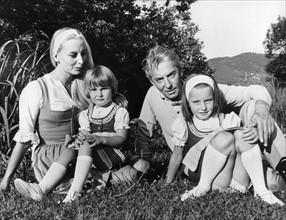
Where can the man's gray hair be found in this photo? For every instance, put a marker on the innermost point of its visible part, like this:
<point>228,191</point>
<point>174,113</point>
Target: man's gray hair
<point>155,56</point>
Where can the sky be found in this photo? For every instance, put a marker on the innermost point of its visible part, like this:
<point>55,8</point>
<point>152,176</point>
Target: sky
<point>232,27</point>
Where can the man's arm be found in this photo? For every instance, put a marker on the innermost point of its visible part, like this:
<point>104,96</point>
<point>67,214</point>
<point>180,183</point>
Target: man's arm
<point>237,96</point>
<point>145,127</point>
<point>263,121</point>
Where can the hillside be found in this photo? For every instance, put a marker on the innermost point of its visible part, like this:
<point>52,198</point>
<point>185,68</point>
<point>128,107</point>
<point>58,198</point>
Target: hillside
<point>243,69</point>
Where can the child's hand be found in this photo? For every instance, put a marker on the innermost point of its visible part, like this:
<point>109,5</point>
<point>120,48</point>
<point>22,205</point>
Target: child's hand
<point>81,137</point>
<point>250,134</point>
<point>94,140</point>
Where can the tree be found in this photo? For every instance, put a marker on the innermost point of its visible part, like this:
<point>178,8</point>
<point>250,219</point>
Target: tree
<point>275,45</point>
<point>119,32</point>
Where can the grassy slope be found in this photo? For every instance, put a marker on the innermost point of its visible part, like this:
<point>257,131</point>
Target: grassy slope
<point>147,199</point>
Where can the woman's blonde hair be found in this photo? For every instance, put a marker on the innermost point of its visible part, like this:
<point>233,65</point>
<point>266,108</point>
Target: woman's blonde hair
<point>89,63</point>
<point>77,88</point>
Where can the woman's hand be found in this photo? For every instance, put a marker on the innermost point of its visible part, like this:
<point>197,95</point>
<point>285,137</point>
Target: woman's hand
<point>3,187</point>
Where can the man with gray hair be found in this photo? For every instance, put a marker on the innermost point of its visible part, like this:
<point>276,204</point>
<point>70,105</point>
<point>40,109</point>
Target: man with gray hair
<point>162,105</point>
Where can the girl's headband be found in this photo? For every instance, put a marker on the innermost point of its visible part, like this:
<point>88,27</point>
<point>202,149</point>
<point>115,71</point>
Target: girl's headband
<point>61,38</point>
<point>192,82</point>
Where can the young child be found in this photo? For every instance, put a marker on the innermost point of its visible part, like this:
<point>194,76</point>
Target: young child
<point>103,131</point>
<point>209,151</point>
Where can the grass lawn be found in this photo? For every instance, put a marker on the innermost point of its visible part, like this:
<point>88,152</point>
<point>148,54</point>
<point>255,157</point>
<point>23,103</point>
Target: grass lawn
<point>147,199</point>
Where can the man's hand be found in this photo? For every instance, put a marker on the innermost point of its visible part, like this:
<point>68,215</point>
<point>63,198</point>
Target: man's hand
<point>250,135</point>
<point>263,121</point>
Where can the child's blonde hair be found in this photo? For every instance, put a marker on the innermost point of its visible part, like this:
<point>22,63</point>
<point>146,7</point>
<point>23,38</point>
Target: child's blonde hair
<point>218,97</point>
<point>100,76</point>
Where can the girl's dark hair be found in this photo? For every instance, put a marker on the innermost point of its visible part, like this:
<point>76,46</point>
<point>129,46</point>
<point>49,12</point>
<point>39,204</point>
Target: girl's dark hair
<point>219,100</point>
<point>99,76</point>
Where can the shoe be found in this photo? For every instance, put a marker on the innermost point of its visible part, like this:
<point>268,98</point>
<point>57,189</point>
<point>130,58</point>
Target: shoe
<point>31,190</point>
<point>72,196</point>
<point>193,193</point>
<point>281,168</point>
<point>270,198</point>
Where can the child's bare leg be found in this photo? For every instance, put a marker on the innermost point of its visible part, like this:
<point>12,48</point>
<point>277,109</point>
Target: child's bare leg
<point>216,161</point>
<point>83,165</point>
<point>252,162</point>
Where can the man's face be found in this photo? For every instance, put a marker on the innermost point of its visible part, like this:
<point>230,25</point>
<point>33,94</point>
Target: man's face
<point>167,79</point>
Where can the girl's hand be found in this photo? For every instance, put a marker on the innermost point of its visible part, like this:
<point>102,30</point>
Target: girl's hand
<point>250,134</point>
<point>81,137</point>
<point>94,140</point>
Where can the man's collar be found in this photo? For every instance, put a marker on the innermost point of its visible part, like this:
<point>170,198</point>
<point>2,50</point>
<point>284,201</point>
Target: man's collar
<point>173,103</point>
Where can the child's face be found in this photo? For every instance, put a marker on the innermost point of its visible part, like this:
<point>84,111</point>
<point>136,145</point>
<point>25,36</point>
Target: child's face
<point>201,102</point>
<point>101,96</point>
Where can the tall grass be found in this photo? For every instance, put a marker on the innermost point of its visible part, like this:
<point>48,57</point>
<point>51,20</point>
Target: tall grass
<point>277,91</point>
<point>21,60</point>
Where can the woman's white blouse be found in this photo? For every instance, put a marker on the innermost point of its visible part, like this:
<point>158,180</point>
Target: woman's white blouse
<point>121,117</point>
<point>31,101</point>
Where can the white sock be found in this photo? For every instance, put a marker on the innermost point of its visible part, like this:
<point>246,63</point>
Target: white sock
<point>213,162</point>
<point>83,165</point>
<point>252,163</point>
<point>55,173</point>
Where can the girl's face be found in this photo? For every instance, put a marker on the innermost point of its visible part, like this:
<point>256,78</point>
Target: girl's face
<point>101,96</point>
<point>201,102</point>
<point>73,56</point>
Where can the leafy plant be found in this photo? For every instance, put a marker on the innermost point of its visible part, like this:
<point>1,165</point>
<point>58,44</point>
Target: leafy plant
<point>21,60</point>
<point>275,47</point>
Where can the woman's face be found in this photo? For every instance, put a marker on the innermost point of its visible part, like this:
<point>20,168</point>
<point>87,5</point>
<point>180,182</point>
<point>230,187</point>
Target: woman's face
<point>201,102</point>
<point>73,56</point>
<point>101,96</point>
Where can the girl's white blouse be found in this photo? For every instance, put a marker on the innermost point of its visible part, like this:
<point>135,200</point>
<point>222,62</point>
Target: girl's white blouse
<point>121,117</point>
<point>31,101</point>
<point>180,127</point>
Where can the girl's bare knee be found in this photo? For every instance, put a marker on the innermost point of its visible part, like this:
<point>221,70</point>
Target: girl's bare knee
<point>241,145</point>
<point>224,142</point>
